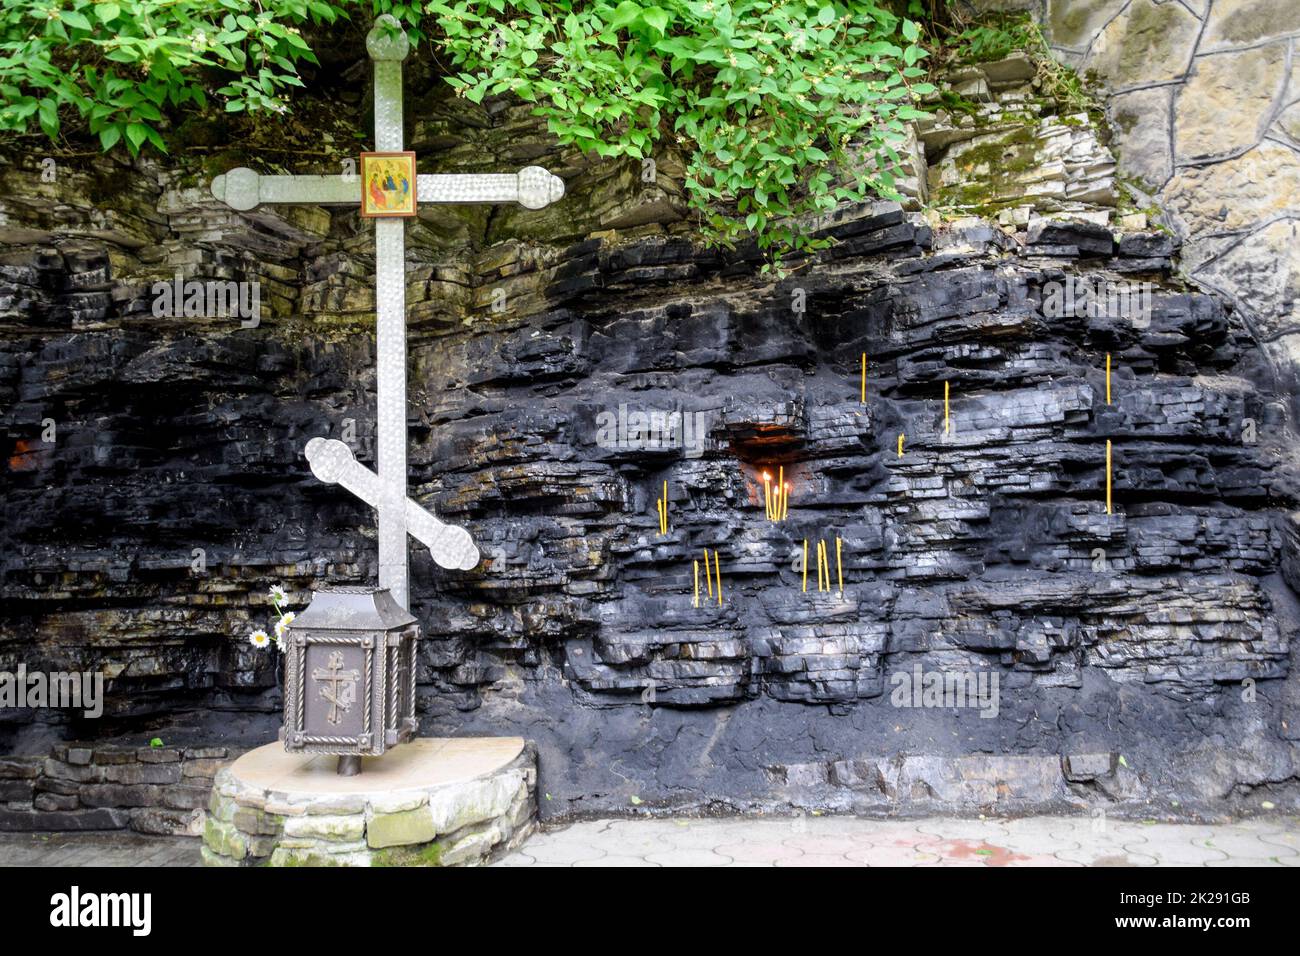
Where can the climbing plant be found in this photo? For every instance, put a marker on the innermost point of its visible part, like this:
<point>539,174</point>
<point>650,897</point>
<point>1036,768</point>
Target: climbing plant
<point>780,108</point>
<point>119,64</point>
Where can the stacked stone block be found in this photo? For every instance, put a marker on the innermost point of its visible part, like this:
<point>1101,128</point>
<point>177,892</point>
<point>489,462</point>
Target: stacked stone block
<point>157,790</point>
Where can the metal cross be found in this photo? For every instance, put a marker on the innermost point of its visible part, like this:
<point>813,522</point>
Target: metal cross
<point>532,187</point>
<point>339,687</point>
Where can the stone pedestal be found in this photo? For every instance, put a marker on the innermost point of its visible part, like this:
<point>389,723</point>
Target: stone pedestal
<point>433,802</point>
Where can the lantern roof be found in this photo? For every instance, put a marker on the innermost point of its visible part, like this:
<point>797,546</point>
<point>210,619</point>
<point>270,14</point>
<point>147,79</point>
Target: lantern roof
<point>353,608</point>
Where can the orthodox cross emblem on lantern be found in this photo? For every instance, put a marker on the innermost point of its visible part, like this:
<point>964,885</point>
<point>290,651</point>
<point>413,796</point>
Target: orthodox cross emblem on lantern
<point>338,687</point>
<point>387,191</point>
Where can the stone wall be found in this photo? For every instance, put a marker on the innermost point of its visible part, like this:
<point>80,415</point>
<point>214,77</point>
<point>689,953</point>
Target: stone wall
<point>96,786</point>
<point>1144,657</point>
<point>1204,101</point>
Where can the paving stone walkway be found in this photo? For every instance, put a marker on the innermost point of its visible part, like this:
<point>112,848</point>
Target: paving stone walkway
<point>797,841</point>
<point>935,841</point>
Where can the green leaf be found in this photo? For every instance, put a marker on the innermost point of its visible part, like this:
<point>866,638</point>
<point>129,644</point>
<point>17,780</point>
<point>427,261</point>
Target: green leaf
<point>156,139</point>
<point>656,18</point>
<point>136,133</point>
<point>108,137</point>
<point>74,19</point>
<point>625,13</point>
<point>107,11</point>
<point>49,117</point>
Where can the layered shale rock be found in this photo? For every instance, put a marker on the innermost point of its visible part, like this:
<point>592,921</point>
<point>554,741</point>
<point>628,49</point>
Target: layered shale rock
<point>994,141</point>
<point>563,369</point>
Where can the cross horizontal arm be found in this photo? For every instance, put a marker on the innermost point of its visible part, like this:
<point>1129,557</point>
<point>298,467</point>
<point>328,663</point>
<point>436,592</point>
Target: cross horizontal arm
<point>333,462</point>
<point>243,189</point>
<point>531,187</point>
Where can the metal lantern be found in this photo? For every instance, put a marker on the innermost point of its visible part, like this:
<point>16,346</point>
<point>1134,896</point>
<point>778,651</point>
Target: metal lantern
<point>350,676</point>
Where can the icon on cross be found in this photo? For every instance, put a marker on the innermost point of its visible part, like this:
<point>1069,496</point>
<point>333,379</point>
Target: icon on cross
<point>532,187</point>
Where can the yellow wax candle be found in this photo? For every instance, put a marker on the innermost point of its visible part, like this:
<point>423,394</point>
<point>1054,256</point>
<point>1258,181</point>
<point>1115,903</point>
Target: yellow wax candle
<point>900,444</point>
<point>1108,476</point>
<point>696,562</point>
<point>820,583</point>
<point>826,562</point>
<point>945,408</point>
<point>1107,378</point>
<point>767,495</point>
<point>717,566</point>
<point>708,578</point>
<point>665,514</point>
<point>785,500</point>
<point>839,565</point>
<point>863,398</point>
<point>780,484</point>
<point>805,565</point>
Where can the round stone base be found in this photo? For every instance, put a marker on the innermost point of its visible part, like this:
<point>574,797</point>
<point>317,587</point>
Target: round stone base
<point>436,801</point>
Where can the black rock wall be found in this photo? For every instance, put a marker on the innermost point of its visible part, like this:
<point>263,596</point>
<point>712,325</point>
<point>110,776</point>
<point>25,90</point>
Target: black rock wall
<point>1142,658</point>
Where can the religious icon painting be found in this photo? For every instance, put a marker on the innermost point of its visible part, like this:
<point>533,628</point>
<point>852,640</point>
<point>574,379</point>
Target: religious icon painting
<point>387,185</point>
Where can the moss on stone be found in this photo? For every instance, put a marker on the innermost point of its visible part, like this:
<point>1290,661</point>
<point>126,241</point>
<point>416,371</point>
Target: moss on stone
<point>426,854</point>
<point>1259,19</point>
<point>310,856</point>
<point>403,828</point>
<point>1072,23</point>
<point>224,839</point>
<point>1005,154</point>
<point>1150,35</point>
<point>956,103</point>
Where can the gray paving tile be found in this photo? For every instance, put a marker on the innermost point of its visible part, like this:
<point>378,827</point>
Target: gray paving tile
<point>791,841</point>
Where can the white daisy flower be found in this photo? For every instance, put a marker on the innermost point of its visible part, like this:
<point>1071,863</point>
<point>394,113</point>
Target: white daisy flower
<point>259,638</point>
<point>279,643</point>
<point>282,625</point>
<point>278,595</point>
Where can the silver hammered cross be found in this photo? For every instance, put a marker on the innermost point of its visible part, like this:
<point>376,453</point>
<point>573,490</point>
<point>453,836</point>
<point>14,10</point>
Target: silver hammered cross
<point>532,187</point>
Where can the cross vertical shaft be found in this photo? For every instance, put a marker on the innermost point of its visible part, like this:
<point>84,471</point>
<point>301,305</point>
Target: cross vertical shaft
<point>331,460</point>
<point>390,330</point>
